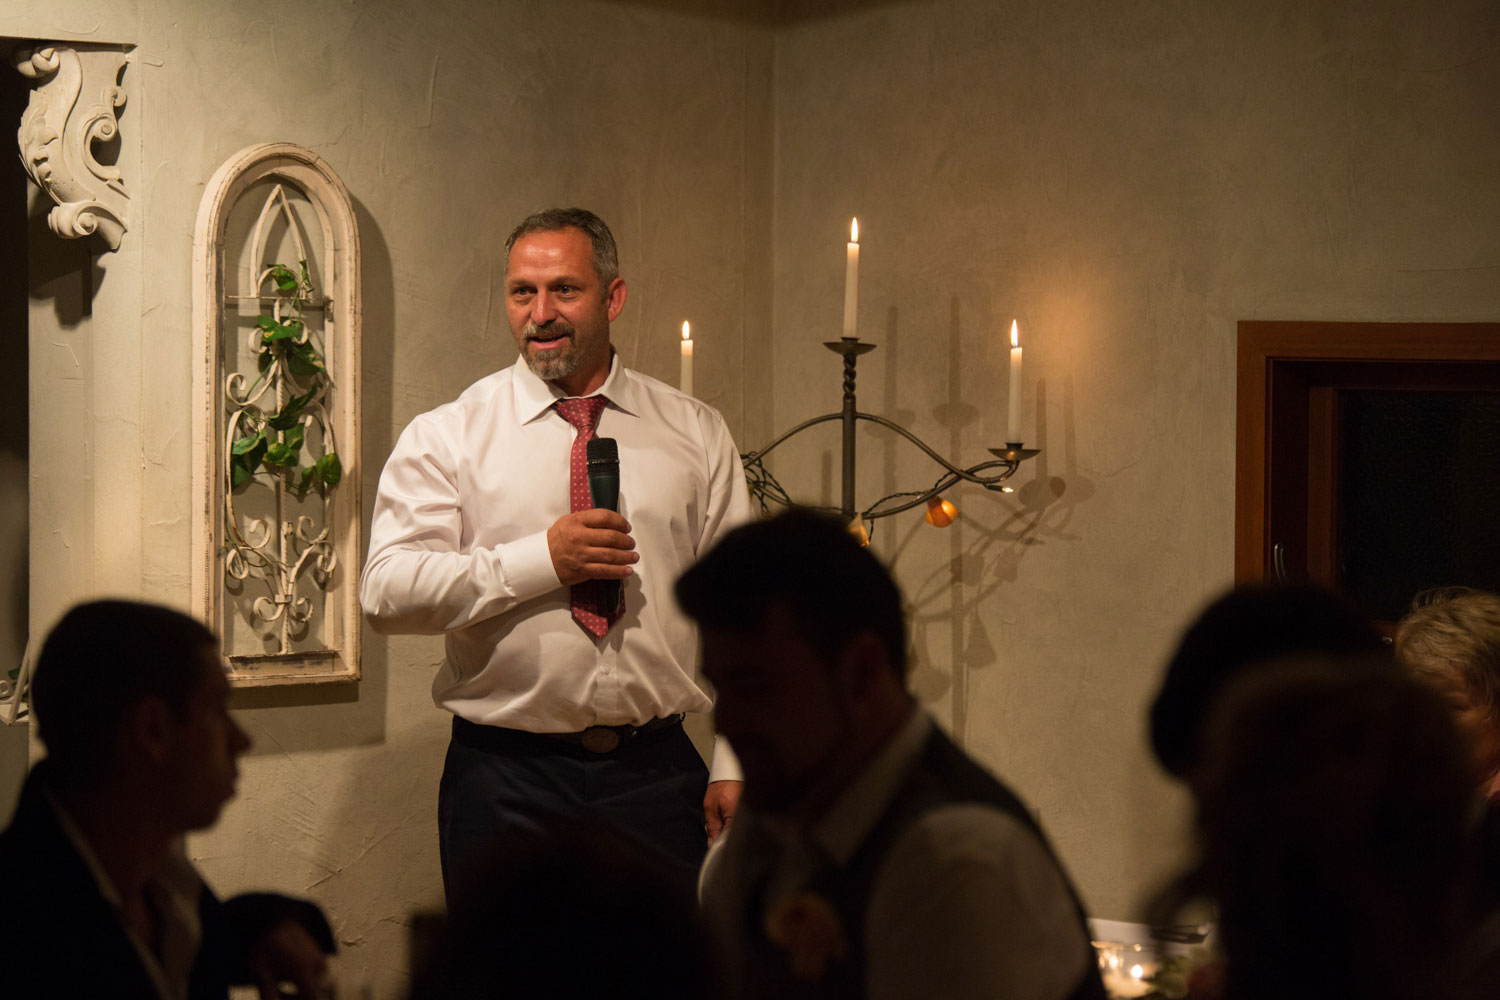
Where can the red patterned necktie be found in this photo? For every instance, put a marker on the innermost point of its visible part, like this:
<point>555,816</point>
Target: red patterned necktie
<point>588,596</point>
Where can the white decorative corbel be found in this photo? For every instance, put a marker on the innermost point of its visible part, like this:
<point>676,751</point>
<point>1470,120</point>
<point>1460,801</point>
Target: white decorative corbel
<point>75,95</point>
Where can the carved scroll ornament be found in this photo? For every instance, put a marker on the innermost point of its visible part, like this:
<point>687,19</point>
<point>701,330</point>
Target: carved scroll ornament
<point>74,101</point>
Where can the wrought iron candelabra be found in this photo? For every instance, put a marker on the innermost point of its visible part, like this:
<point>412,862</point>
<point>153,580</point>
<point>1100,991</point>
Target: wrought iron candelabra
<point>990,474</point>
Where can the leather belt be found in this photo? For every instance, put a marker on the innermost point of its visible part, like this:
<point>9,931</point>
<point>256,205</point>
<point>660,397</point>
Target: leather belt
<point>608,739</point>
<point>595,739</point>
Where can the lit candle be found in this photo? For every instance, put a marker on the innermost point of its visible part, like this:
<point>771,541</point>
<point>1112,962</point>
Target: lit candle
<point>851,279</point>
<point>1013,424</point>
<point>685,383</point>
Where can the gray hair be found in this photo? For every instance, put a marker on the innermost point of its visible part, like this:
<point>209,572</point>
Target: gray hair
<point>551,220</point>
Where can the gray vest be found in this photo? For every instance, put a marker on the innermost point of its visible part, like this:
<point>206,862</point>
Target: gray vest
<point>943,775</point>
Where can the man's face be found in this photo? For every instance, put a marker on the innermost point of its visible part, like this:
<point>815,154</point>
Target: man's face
<point>205,744</point>
<point>558,311</point>
<point>778,703</point>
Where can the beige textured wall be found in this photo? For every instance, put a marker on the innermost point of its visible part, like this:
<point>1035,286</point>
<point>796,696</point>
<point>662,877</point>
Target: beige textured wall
<point>448,122</point>
<point>1129,180</point>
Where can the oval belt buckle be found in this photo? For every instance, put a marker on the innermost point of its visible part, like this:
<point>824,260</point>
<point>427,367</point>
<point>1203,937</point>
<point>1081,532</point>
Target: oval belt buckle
<point>600,739</point>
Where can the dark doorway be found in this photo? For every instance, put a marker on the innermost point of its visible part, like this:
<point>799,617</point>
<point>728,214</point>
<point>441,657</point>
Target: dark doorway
<point>1367,458</point>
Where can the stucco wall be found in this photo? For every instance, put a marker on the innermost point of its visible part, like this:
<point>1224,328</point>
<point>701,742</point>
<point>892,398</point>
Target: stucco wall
<point>448,122</point>
<point>1129,180</point>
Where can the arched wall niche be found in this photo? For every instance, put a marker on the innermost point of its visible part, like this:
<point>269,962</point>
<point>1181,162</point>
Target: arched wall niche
<point>276,313</point>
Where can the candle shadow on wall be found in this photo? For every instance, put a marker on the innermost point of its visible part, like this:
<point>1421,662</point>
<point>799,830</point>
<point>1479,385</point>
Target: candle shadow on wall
<point>891,403</point>
<point>986,549</point>
<point>956,415</point>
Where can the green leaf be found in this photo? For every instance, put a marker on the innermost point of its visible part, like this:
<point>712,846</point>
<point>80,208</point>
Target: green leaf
<point>303,361</point>
<point>266,323</point>
<point>281,455</point>
<point>292,437</point>
<point>285,280</point>
<point>243,445</point>
<point>287,417</point>
<point>330,469</point>
<point>291,411</point>
<point>263,361</point>
<point>309,473</point>
<point>290,330</point>
<point>242,466</point>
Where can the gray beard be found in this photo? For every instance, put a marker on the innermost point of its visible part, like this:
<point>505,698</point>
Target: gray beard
<point>560,362</point>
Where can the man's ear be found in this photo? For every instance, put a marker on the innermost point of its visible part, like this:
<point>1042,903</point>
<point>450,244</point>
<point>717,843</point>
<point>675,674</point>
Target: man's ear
<point>863,666</point>
<point>614,298</point>
<point>147,729</point>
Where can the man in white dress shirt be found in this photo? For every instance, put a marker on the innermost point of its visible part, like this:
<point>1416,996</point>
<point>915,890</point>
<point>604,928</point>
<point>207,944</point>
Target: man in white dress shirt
<point>872,857</point>
<point>478,534</point>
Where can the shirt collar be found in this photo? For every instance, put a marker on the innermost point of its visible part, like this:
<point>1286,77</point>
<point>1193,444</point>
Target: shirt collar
<point>534,396</point>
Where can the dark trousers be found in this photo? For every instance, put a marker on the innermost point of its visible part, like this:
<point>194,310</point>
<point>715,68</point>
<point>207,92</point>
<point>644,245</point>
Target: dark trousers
<point>502,786</point>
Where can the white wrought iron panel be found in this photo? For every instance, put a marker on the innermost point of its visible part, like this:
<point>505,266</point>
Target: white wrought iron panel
<point>276,452</point>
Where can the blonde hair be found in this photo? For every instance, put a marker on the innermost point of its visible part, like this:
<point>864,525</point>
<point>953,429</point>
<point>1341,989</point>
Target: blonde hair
<point>1452,635</point>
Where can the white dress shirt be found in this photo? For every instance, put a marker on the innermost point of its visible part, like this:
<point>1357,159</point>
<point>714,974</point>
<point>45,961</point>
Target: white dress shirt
<point>966,903</point>
<point>458,545</point>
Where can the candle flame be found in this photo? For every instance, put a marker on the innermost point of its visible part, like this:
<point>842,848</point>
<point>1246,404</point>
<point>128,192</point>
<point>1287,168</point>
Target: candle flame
<point>686,332</point>
<point>853,230</point>
<point>1136,972</point>
<point>1015,334</point>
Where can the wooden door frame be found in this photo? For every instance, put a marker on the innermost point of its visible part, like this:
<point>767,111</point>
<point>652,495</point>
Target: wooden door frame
<point>1263,343</point>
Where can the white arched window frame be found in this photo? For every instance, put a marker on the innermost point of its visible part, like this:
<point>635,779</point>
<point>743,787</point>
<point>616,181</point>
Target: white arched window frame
<point>276,553</point>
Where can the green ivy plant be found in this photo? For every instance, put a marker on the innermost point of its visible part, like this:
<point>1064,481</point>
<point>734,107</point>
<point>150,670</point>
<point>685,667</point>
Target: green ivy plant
<point>274,441</point>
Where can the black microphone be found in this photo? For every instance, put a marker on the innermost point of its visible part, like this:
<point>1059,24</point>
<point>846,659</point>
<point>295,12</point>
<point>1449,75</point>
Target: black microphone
<point>604,487</point>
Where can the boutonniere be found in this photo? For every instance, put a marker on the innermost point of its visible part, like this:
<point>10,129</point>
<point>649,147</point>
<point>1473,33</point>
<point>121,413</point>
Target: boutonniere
<point>807,927</point>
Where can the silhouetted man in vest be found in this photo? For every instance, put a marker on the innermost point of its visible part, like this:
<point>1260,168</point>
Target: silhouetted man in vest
<point>871,856</point>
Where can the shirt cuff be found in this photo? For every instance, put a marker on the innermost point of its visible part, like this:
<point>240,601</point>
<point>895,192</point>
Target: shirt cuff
<point>725,766</point>
<point>526,566</point>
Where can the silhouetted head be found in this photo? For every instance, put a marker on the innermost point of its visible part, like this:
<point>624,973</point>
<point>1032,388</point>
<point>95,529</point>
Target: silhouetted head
<point>804,642</point>
<point>123,687</point>
<point>1247,626</point>
<point>832,587</point>
<point>1337,819</point>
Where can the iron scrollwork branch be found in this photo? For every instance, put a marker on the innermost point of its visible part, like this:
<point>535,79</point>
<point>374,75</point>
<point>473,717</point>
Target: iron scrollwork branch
<point>989,474</point>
